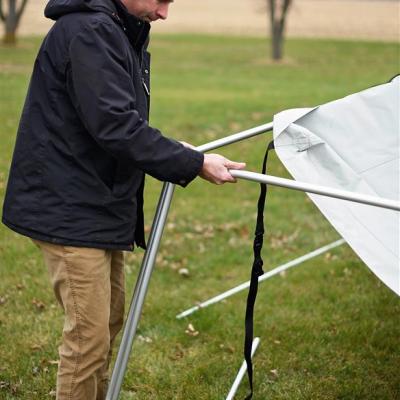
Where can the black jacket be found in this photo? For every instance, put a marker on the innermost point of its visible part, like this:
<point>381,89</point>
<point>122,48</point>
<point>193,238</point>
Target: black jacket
<point>84,142</point>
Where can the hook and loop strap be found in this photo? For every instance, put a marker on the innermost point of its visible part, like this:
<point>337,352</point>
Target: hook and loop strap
<point>256,272</point>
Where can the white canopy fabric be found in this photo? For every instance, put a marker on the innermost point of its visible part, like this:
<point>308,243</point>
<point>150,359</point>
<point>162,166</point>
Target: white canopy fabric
<point>351,144</point>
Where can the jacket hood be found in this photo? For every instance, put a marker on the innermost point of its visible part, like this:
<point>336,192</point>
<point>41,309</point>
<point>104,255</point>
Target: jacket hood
<point>57,8</point>
<point>138,33</point>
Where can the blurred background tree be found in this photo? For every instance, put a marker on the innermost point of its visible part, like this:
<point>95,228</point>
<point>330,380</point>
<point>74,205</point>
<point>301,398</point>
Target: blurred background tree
<point>278,10</point>
<point>10,15</point>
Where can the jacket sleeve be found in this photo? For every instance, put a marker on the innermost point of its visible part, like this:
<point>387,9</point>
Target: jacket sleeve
<point>102,91</point>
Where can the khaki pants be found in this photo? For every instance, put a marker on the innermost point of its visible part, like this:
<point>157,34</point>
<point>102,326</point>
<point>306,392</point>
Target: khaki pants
<point>89,285</point>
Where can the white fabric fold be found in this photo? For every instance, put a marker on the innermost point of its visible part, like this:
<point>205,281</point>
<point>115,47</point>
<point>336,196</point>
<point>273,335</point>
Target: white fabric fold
<point>351,144</point>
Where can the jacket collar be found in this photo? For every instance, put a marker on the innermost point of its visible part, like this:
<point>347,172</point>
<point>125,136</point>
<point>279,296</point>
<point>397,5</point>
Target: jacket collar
<point>136,29</point>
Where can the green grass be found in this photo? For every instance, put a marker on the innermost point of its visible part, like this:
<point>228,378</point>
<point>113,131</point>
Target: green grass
<point>329,327</point>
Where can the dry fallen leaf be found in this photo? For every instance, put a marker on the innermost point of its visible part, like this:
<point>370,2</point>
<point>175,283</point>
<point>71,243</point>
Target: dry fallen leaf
<point>279,240</point>
<point>191,331</point>
<point>227,348</point>
<point>11,387</point>
<point>330,257</point>
<point>38,304</point>
<point>184,272</point>
<point>145,339</point>
<point>244,232</point>
<point>177,354</point>
<point>198,228</point>
<point>274,372</point>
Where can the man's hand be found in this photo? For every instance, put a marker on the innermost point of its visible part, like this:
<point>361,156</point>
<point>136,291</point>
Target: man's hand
<point>215,169</point>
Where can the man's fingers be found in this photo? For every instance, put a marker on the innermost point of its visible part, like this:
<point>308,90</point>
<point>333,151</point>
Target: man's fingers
<point>229,178</point>
<point>234,165</point>
<point>216,169</point>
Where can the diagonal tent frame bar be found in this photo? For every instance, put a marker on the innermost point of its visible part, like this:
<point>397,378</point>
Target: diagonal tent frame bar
<point>267,275</point>
<point>148,262</point>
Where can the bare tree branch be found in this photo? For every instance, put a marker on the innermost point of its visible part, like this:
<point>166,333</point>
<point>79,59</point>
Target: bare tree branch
<point>21,10</point>
<point>271,4</point>
<point>2,15</point>
<point>285,8</point>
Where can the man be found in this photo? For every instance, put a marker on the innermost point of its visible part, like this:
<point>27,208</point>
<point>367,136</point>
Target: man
<point>76,180</point>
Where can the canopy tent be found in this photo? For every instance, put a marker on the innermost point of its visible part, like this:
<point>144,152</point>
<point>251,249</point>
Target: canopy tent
<point>324,146</point>
<point>351,144</point>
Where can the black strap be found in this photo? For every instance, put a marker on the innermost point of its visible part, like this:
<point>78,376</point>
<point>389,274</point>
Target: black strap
<point>256,271</point>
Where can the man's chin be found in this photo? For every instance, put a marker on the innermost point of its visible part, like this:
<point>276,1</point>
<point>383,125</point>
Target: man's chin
<point>150,19</point>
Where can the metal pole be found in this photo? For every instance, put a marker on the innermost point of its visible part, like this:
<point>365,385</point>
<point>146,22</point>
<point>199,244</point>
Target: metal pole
<point>267,275</point>
<point>237,137</point>
<point>139,294</point>
<point>242,371</point>
<point>147,266</point>
<point>317,189</point>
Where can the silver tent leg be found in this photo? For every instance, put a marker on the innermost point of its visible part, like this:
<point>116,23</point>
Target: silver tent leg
<point>147,266</point>
<point>242,371</point>
<point>140,291</point>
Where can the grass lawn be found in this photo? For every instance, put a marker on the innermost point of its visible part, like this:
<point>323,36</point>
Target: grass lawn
<point>329,329</point>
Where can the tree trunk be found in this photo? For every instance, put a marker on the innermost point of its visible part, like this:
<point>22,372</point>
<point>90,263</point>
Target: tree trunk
<point>277,16</point>
<point>10,38</point>
<point>277,42</point>
<point>11,20</point>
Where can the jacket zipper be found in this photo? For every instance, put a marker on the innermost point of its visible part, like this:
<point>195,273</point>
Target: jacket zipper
<point>146,89</point>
